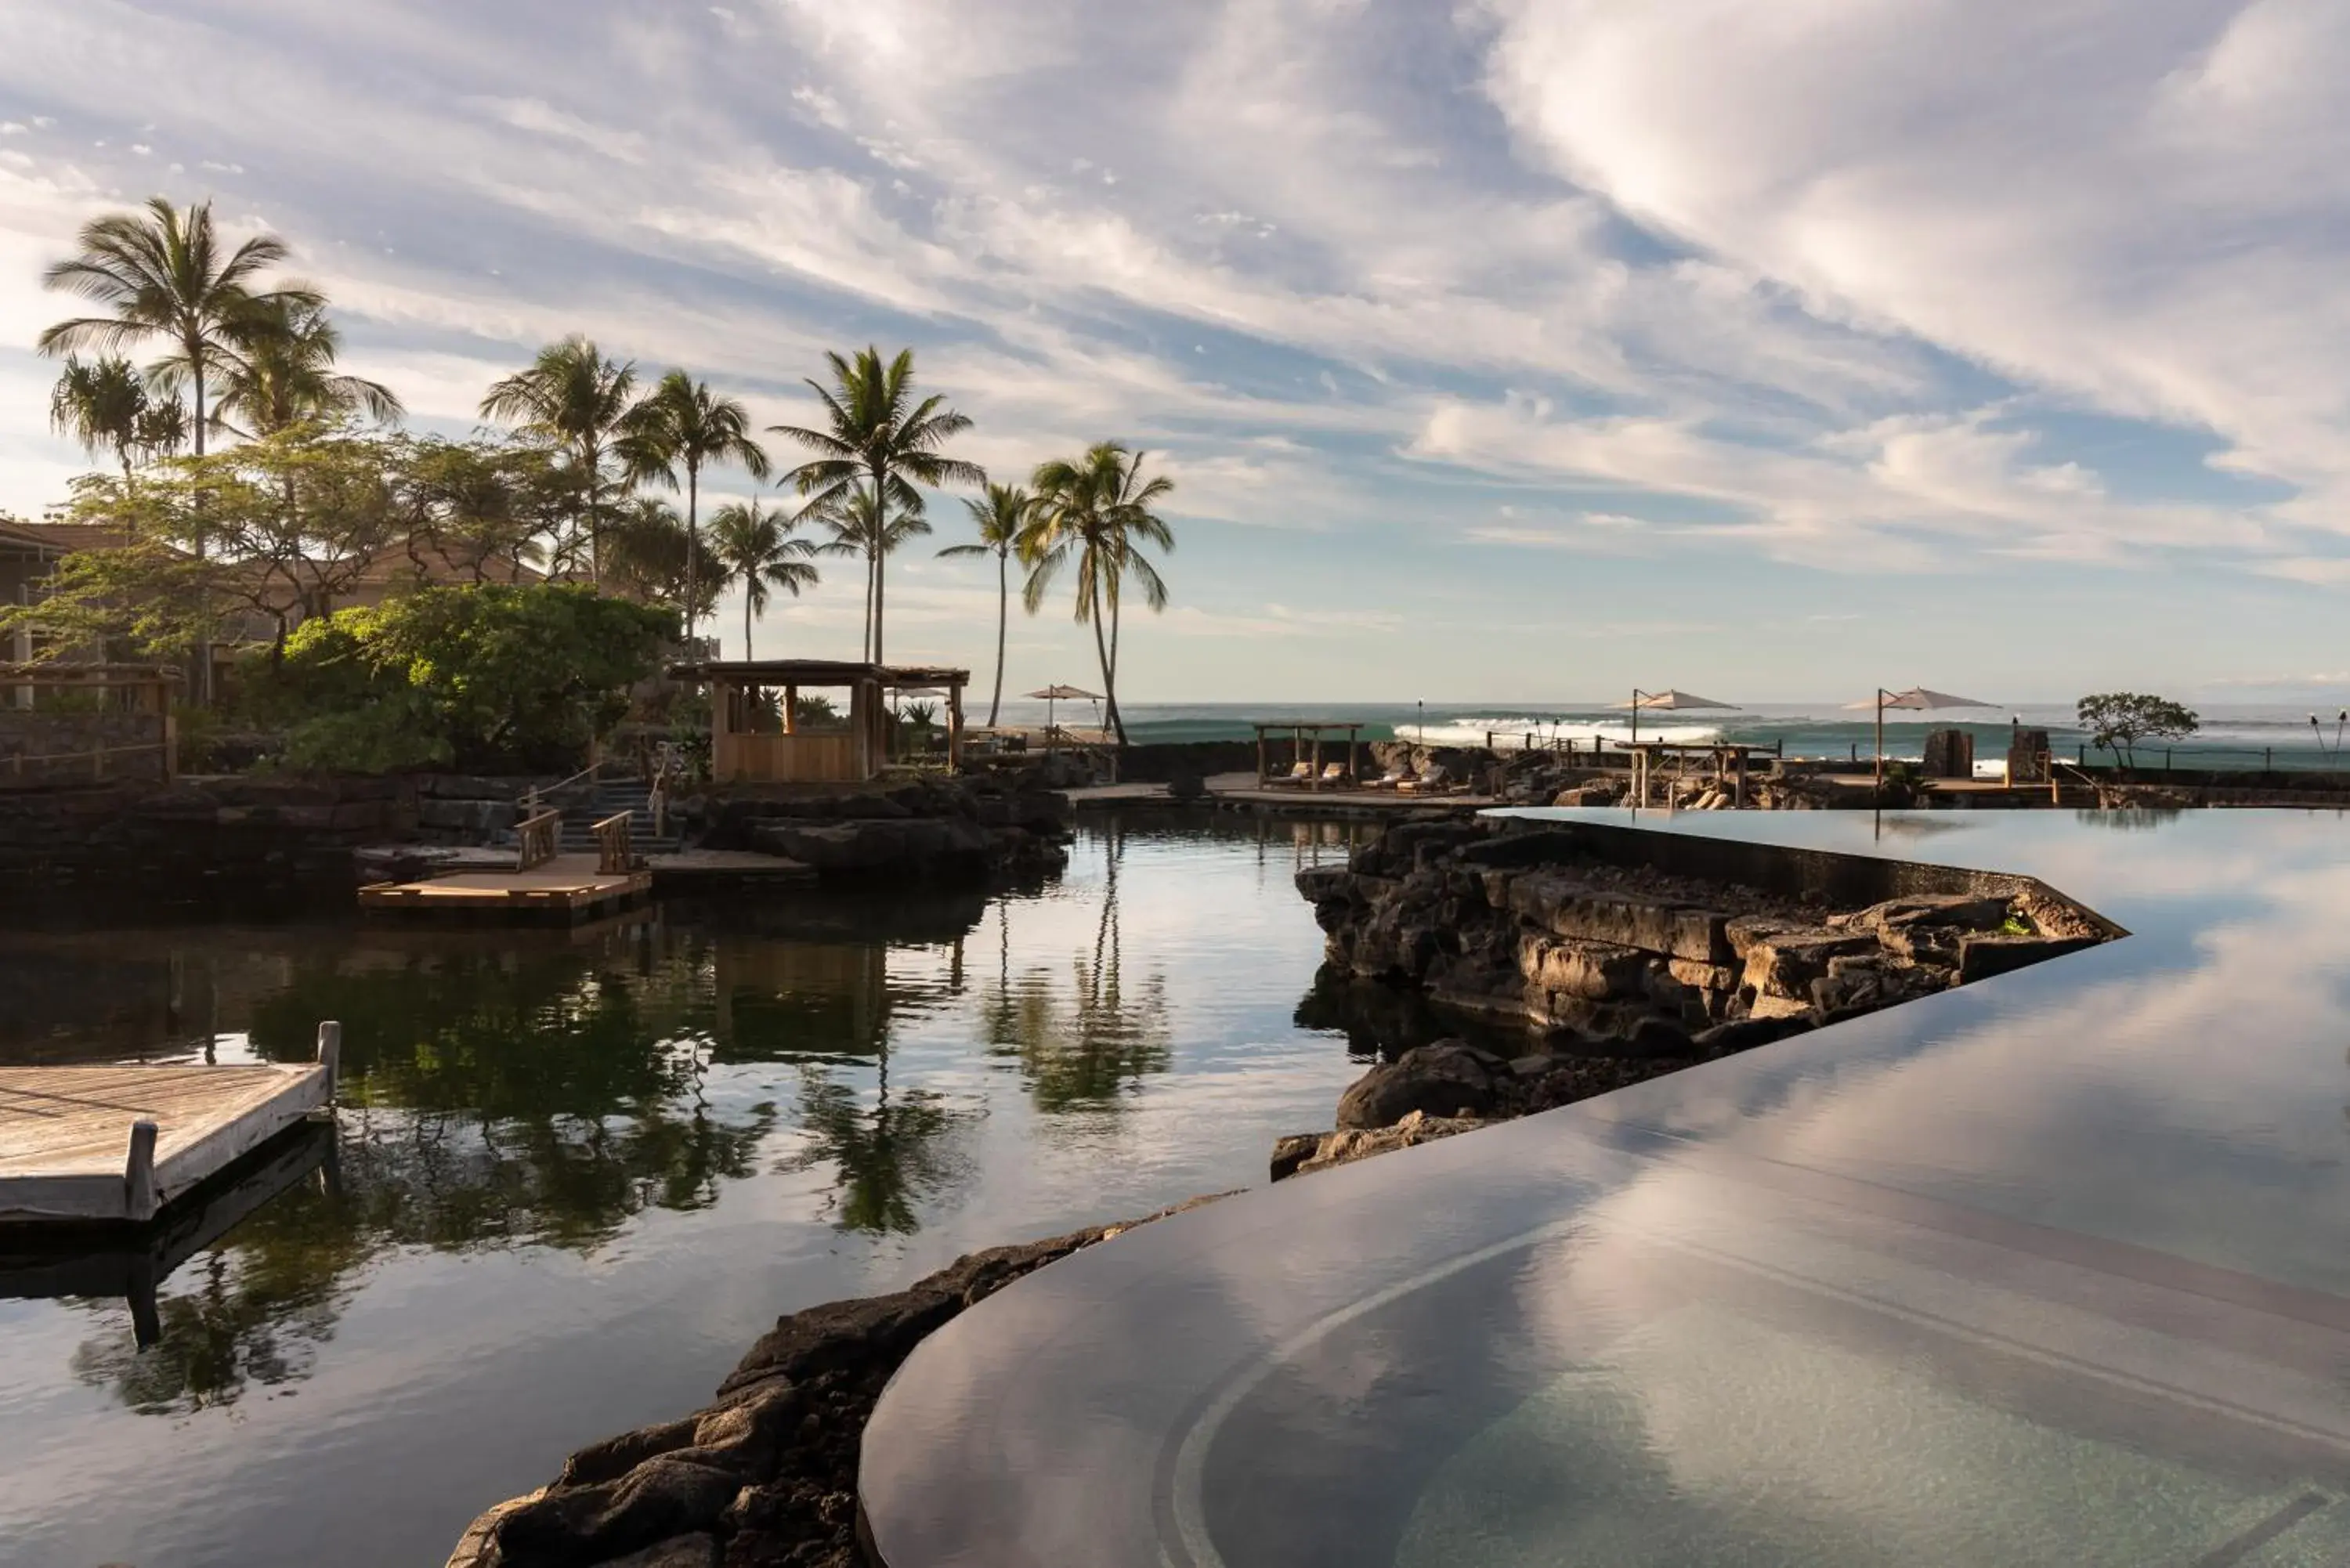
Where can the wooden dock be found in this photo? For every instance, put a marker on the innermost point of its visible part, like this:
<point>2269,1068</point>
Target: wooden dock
<point>117,1144</point>
<point>567,888</point>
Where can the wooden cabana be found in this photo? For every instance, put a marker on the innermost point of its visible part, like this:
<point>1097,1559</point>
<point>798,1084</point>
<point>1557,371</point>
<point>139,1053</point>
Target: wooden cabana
<point>1306,768</point>
<point>750,742</point>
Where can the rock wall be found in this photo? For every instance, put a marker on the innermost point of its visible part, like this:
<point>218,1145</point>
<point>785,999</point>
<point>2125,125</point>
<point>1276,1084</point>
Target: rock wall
<point>1622,959</point>
<point>25,735</point>
<point>765,1475</point>
<point>218,841</point>
<point>951,831</point>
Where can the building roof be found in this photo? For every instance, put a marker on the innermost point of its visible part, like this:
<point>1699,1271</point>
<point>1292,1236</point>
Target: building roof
<point>818,672</point>
<point>59,538</point>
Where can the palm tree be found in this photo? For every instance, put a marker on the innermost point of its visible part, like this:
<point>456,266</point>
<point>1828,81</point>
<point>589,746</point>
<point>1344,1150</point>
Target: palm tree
<point>163,276</point>
<point>573,397</point>
<point>1002,517</point>
<point>858,528</point>
<point>877,438</point>
<point>284,372</point>
<point>681,425</point>
<point>99,405</point>
<point>1095,514</point>
<point>759,549</point>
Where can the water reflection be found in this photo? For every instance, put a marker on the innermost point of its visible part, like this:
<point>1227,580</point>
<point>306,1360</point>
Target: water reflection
<point>1088,1042</point>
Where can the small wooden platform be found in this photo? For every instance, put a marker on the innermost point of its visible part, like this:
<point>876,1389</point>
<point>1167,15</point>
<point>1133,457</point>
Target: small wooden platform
<point>71,1137</point>
<point>568,887</point>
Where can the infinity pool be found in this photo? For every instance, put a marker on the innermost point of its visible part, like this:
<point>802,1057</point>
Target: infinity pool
<point>2051,1269</point>
<point>574,1175</point>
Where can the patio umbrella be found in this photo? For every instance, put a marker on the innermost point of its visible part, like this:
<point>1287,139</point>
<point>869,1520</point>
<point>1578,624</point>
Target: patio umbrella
<point>1671,699</point>
<point>1918,699</point>
<point>1052,694</point>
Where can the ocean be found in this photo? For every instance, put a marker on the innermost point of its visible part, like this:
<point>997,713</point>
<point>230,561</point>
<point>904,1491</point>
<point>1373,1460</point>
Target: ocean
<point>2245,735</point>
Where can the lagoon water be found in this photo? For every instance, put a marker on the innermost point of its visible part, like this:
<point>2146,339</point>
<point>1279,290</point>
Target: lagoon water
<point>575,1175</point>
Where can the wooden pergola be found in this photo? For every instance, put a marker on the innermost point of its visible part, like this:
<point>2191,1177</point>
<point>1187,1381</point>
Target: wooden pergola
<point>849,752</point>
<point>1303,733</point>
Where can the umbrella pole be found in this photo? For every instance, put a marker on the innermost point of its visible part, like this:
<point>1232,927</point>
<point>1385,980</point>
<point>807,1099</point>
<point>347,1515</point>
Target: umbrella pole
<point>1880,742</point>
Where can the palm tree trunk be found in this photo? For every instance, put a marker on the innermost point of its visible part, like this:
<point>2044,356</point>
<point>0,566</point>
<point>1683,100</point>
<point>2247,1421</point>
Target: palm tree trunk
<point>746,623</point>
<point>1002,617</point>
<point>865,647</point>
<point>693,538</point>
<point>1110,681</point>
<point>880,553</point>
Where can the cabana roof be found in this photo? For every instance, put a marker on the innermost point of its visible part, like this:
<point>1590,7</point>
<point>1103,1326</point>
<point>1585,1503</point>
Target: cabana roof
<point>818,673</point>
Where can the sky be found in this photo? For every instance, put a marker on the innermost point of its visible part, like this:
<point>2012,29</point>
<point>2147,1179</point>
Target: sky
<point>1502,349</point>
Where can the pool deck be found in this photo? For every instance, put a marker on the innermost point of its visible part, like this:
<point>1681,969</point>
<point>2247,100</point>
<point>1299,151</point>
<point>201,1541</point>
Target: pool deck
<point>71,1137</point>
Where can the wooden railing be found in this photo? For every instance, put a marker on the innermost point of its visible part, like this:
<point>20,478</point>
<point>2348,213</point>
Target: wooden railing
<point>615,850</point>
<point>537,836</point>
<point>97,759</point>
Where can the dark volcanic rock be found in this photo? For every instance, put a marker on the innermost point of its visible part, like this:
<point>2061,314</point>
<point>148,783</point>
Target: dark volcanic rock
<point>1982,956</point>
<point>1445,1079</point>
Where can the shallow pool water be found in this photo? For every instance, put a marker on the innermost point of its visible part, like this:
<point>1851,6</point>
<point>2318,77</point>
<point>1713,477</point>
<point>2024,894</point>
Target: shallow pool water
<point>576,1174</point>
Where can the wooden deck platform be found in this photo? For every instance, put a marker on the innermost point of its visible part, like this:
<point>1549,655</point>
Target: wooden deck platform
<point>568,887</point>
<point>103,1144</point>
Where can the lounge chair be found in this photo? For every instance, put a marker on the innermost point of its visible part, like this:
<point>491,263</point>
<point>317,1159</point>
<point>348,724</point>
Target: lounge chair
<point>1435,781</point>
<point>1335,772</point>
<point>1395,777</point>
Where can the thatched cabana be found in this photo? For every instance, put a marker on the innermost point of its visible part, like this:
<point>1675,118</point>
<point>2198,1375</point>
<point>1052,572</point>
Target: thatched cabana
<point>851,751</point>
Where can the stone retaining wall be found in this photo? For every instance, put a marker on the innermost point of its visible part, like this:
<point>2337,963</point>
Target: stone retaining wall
<point>25,735</point>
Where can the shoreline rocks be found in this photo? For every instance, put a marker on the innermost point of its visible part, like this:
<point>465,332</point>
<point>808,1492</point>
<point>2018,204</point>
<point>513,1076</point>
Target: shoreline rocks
<point>765,1475</point>
<point>964,830</point>
<point>1617,973</point>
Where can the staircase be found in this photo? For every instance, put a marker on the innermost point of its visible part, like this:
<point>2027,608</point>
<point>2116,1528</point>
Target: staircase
<point>613,797</point>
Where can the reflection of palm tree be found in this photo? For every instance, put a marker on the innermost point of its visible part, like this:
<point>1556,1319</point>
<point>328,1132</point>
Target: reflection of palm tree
<point>1085,1049</point>
<point>887,1157</point>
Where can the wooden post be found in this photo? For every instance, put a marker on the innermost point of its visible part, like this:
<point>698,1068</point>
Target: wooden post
<point>330,1056</point>
<point>1317,774</point>
<point>791,704</point>
<point>139,1174</point>
<point>1260,756</point>
<point>954,729</point>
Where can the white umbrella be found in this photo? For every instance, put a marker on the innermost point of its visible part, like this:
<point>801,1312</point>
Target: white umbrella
<point>1670,700</point>
<point>1052,694</point>
<point>1918,698</point>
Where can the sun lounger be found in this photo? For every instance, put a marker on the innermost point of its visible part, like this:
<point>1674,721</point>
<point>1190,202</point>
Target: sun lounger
<point>1435,781</point>
<point>1395,777</point>
<point>1335,773</point>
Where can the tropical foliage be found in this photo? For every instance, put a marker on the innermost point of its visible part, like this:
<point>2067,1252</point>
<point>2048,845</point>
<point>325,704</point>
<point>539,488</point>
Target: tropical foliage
<point>1093,517</point>
<point>575,399</point>
<point>760,551</point>
<point>877,438</point>
<point>483,677</point>
<point>679,429</point>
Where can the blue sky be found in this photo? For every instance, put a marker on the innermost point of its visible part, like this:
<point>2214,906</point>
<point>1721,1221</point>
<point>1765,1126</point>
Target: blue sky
<point>1513,350</point>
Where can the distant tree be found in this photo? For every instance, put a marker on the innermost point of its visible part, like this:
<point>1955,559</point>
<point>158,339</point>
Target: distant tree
<point>861,527</point>
<point>1001,517</point>
<point>163,274</point>
<point>103,406</point>
<point>282,372</point>
<point>481,507</point>
<point>2119,721</point>
<point>876,437</point>
<point>574,399</point>
<point>759,549</point>
<point>680,427</point>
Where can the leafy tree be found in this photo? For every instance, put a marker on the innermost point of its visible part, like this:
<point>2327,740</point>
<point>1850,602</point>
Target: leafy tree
<point>682,427</point>
<point>573,397</point>
<point>760,550</point>
<point>482,506</point>
<point>1095,514</point>
<point>162,275</point>
<point>283,373</point>
<point>104,405</point>
<point>1001,517</point>
<point>2117,720</point>
<point>290,523</point>
<point>485,676</point>
<point>878,437</point>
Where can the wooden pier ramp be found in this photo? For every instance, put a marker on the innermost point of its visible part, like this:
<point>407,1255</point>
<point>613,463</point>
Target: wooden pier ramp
<point>116,1145</point>
<point>565,887</point>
